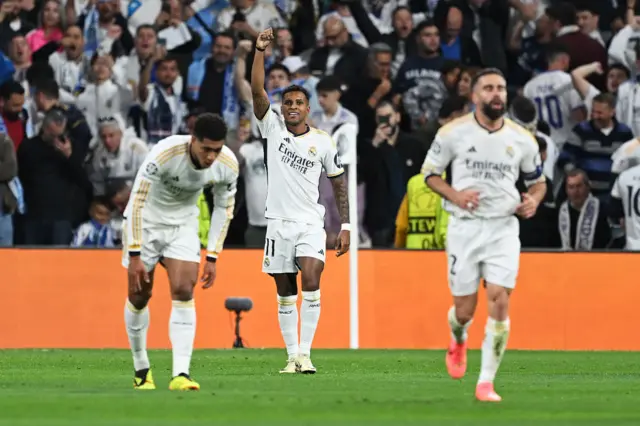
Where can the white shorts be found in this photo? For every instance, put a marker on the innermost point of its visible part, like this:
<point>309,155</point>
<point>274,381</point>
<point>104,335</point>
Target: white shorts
<point>179,242</point>
<point>482,248</point>
<point>287,240</point>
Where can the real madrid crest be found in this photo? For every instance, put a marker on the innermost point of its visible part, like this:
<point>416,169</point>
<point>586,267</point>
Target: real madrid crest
<point>313,151</point>
<point>510,151</point>
<point>266,262</point>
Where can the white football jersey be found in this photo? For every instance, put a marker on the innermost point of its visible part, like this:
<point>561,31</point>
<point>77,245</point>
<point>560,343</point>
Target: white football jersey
<point>627,189</point>
<point>167,188</point>
<point>487,162</point>
<point>626,156</point>
<point>555,99</point>
<point>294,164</point>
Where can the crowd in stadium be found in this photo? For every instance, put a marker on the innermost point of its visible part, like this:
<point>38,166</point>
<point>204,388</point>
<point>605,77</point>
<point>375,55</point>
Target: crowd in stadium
<point>88,86</point>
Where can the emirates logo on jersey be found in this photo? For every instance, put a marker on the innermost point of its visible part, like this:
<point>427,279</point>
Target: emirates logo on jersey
<point>295,161</point>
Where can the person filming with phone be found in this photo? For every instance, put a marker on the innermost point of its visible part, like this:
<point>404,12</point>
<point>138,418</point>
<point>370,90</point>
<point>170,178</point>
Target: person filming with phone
<point>51,172</point>
<point>387,163</point>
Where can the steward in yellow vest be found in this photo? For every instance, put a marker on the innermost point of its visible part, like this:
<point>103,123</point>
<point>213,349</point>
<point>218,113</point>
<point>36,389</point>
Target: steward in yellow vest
<point>421,223</point>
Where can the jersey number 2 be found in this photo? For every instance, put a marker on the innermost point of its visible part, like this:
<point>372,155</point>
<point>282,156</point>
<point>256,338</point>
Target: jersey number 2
<point>554,114</point>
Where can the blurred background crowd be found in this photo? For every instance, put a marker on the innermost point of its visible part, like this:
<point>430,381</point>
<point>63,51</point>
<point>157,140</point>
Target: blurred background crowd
<point>88,86</point>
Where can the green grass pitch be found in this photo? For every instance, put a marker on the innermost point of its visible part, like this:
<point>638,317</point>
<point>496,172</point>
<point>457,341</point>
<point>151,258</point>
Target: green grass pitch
<point>243,387</point>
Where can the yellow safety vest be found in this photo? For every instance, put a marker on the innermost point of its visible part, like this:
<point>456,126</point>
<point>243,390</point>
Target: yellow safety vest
<point>427,221</point>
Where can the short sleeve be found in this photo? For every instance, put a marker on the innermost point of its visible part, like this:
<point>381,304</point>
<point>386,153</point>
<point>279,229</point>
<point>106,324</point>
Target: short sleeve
<point>531,164</point>
<point>269,123</point>
<point>438,158</point>
<point>331,161</point>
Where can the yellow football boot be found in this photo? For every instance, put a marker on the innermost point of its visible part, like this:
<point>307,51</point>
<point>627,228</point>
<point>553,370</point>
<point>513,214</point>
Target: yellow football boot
<point>183,383</point>
<point>143,380</point>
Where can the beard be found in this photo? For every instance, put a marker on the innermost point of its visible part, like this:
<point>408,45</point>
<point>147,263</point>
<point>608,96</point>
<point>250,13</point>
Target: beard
<point>491,112</point>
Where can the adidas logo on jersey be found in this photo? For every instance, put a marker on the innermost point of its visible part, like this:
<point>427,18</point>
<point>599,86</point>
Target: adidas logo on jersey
<point>472,149</point>
<point>321,251</point>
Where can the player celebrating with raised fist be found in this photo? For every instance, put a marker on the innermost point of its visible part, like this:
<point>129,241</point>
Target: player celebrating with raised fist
<point>295,154</point>
<point>162,226</point>
<point>487,152</point>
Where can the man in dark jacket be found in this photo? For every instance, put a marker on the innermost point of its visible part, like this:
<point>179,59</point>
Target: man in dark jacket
<point>387,163</point>
<point>52,176</point>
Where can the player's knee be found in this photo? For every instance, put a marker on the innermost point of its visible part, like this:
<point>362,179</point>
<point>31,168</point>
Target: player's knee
<point>183,291</point>
<point>310,280</point>
<point>464,314</point>
<point>500,301</point>
<point>141,299</point>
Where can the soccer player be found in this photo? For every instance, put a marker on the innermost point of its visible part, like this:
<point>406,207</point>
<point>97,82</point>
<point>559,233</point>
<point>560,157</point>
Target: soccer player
<point>295,155</point>
<point>558,102</point>
<point>162,227</point>
<point>487,152</point>
<point>625,200</point>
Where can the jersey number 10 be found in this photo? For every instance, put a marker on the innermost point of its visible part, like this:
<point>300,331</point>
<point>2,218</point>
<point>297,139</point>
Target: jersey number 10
<point>633,201</point>
<point>554,114</point>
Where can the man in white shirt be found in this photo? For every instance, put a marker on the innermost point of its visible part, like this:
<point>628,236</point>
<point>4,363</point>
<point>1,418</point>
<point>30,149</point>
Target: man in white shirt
<point>71,66</point>
<point>296,240</point>
<point>487,153</point>
<point>249,17</point>
<point>625,204</point>
<point>162,226</point>
<point>557,101</point>
<point>117,156</point>
<point>254,172</point>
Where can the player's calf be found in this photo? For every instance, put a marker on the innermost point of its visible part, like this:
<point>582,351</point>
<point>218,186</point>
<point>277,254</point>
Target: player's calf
<point>136,319</point>
<point>182,322</point>
<point>309,310</point>
<point>459,317</point>
<point>495,341</point>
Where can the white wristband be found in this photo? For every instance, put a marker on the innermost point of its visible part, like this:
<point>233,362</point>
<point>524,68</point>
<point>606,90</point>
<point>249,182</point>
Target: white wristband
<point>345,227</point>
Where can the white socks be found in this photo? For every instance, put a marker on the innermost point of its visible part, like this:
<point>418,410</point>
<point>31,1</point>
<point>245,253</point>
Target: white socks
<point>493,346</point>
<point>182,332</point>
<point>137,324</point>
<point>309,316</point>
<point>288,319</point>
<point>458,331</point>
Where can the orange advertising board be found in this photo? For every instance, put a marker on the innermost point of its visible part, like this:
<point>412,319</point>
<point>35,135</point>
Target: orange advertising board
<point>563,301</point>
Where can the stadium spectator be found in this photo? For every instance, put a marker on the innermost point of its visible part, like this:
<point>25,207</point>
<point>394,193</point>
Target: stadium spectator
<point>247,18</point>
<point>582,223</point>
<point>214,76</point>
<point>401,41</point>
<point>102,23</point>
<point>20,55</point>
<point>588,21</point>
<point>387,163</point>
<point>13,21</point>
<point>71,66</point>
<point>581,48</point>
<point>117,156</point>
<point>340,55</point>
<point>97,231</point>
<point>254,173</point>
<point>52,176</point>
<point>50,27</point>
<point>592,144</point>
<point>105,96</point>
<point>162,100</point>
<point>8,201</point>
<point>457,46</point>
<point>14,115</point>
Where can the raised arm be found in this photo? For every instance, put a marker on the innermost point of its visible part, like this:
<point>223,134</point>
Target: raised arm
<point>260,98</point>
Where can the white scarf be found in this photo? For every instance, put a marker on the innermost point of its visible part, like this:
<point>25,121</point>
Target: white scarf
<point>586,229</point>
